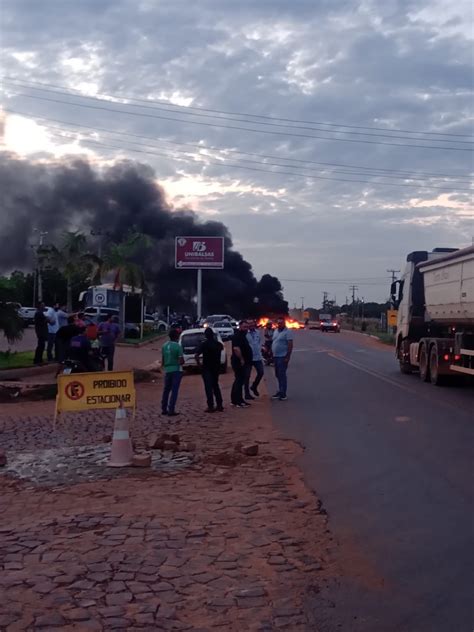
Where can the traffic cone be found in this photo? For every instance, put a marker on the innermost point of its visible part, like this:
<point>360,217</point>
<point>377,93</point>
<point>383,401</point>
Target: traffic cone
<point>122,450</point>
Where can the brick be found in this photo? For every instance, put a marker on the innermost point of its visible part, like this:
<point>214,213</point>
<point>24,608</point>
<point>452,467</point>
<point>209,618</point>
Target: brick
<point>3,458</point>
<point>250,449</point>
<point>141,460</point>
<point>50,619</point>
<point>117,599</point>
<point>77,614</point>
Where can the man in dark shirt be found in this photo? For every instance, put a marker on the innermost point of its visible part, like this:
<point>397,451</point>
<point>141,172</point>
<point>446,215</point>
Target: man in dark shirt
<point>41,330</point>
<point>211,350</point>
<point>64,336</point>
<point>241,360</point>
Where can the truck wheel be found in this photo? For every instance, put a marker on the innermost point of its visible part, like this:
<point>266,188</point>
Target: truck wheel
<point>424,365</point>
<point>406,369</point>
<point>435,377</point>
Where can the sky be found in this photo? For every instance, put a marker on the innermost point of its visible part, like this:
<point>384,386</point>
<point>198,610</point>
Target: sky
<point>332,138</point>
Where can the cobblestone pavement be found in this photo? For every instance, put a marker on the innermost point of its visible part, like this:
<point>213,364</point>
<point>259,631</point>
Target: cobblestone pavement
<point>216,541</point>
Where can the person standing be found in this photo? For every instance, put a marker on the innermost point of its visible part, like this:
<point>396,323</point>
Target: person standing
<point>282,346</point>
<point>255,342</point>
<point>41,330</point>
<point>53,326</point>
<point>63,338</point>
<point>63,317</point>
<point>211,350</point>
<point>241,360</point>
<point>172,359</point>
<point>108,332</point>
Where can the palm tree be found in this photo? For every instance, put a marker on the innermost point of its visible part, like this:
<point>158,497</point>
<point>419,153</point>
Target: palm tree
<point>119,259</point>
<point>70,258</point>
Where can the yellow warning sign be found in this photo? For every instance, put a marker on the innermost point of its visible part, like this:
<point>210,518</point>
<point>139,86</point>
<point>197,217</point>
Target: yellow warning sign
<point>88,391</point>
<point>392,317</point>
<point>305,314</point>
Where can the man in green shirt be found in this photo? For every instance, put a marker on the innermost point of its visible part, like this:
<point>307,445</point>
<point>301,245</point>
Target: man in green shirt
<point>171,360</point>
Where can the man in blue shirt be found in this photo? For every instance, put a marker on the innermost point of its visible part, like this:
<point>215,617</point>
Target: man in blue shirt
<point>282,346</point>
<point>255,342</point>
<point>108,333</point>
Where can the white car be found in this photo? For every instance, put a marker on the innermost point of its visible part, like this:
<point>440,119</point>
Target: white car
<point>224,329</point>
<point>190,340</point>
<point>214,318</point>
<point>27,314</point>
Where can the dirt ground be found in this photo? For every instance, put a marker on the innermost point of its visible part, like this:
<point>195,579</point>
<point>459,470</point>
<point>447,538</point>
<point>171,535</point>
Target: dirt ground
<point>205,539</point>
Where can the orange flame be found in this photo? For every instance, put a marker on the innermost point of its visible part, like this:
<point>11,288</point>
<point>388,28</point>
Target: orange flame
<point>290,323</point>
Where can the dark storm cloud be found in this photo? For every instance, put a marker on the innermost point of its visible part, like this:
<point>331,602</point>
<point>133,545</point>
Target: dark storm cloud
<point>397,64</point>
<point>115,201</point>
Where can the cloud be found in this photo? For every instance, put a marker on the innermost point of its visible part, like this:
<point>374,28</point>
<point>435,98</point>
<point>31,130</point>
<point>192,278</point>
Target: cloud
<point>400,64</point>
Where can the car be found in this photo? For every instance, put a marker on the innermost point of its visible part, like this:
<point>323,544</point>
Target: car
<point>224,329</point>
<point>104,311</point>
<point>190,340</point>
<point>330,325</point>
<point>214,318</point>
<point>27,314</point>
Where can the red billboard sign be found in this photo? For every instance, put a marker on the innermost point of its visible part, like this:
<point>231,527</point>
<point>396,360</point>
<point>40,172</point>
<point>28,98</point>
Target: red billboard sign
<point>199,252</point>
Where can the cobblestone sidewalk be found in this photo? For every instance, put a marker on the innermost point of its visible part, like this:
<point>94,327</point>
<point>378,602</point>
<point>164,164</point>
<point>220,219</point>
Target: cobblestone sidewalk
<point>213,541</point>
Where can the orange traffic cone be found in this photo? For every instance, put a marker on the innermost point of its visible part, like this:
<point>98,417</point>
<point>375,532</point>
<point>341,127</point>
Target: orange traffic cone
<point>122,450</point>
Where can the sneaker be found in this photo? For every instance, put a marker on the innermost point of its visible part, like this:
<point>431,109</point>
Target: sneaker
<point>276,396</point>
<point>249,397</point>
<point>283,398</point>
<point>239,405</point>
<point>254,391</point>
<point>245,405</point>
<point>173,414</point>
<point>210,410</point>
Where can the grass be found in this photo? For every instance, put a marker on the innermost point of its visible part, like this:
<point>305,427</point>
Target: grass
<point>16,359</point>
<point>388,339</point>
<point>151,336</point>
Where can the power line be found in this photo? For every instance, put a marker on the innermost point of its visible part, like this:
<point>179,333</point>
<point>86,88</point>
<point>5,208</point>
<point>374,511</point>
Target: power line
<point>287,173</point>
<point>407,174</point>
<point>238,120</point>
<point>271,164</point>
<point>260,116</point>
<point>236,127</point>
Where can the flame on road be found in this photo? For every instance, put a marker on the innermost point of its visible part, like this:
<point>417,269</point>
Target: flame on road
<point>290,323</point>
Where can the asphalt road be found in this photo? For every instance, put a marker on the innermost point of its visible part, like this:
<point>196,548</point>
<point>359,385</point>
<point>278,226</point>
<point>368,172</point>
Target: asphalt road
<point>391,459</point>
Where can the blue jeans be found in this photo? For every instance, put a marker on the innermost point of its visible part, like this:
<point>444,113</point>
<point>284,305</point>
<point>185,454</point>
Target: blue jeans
<point>171,387</point>
<point>280,374</point>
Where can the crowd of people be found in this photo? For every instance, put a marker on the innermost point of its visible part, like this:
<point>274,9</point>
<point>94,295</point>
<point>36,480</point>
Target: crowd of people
<point>247,361</point>
<point>73,337</point>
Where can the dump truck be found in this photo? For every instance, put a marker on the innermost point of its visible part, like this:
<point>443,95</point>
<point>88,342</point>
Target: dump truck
<point>435,321</point>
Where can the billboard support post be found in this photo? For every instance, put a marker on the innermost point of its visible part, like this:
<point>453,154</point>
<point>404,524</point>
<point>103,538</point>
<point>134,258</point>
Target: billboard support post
<point>199,293</point>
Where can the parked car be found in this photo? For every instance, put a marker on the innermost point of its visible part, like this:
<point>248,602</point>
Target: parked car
<point>224,329</point>
<point>190,340</point>
<point>215,318</point>
<point>27,314</point>
<point>104,311</point>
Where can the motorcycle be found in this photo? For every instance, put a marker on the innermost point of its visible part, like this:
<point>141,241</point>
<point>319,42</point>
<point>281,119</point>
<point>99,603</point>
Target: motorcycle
<point>96,363</point>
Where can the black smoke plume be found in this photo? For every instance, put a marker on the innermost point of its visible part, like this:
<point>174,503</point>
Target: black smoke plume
<point>115,200</point>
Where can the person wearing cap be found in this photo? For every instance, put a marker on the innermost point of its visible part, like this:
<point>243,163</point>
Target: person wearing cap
<point>108,333</point>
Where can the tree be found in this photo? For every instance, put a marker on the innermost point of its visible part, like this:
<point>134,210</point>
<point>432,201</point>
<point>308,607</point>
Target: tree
<point>10,322</point>
<point>120,261</point>
<point>70,258</point>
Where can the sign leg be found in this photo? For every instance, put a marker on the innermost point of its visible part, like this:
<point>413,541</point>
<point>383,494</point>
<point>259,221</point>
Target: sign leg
<point>199,294</point>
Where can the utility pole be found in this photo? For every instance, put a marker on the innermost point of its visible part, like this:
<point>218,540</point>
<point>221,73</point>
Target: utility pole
<point>42,235</point>
<point>353,289</point>
<point>325,300</point>
<point>302,303</point>
<point>394,274</point>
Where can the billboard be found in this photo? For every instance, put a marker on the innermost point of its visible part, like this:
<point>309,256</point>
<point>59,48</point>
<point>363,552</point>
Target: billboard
<point>194,253</point>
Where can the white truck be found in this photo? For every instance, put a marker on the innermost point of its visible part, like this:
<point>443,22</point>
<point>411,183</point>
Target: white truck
<point>435,301</point>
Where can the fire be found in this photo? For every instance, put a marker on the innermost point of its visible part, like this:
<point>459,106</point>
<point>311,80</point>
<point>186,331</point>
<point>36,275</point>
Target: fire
<point>290,323</point>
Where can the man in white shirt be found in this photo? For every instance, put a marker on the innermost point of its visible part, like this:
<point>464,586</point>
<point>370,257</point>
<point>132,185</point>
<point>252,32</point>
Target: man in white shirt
<point>53,327</point>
